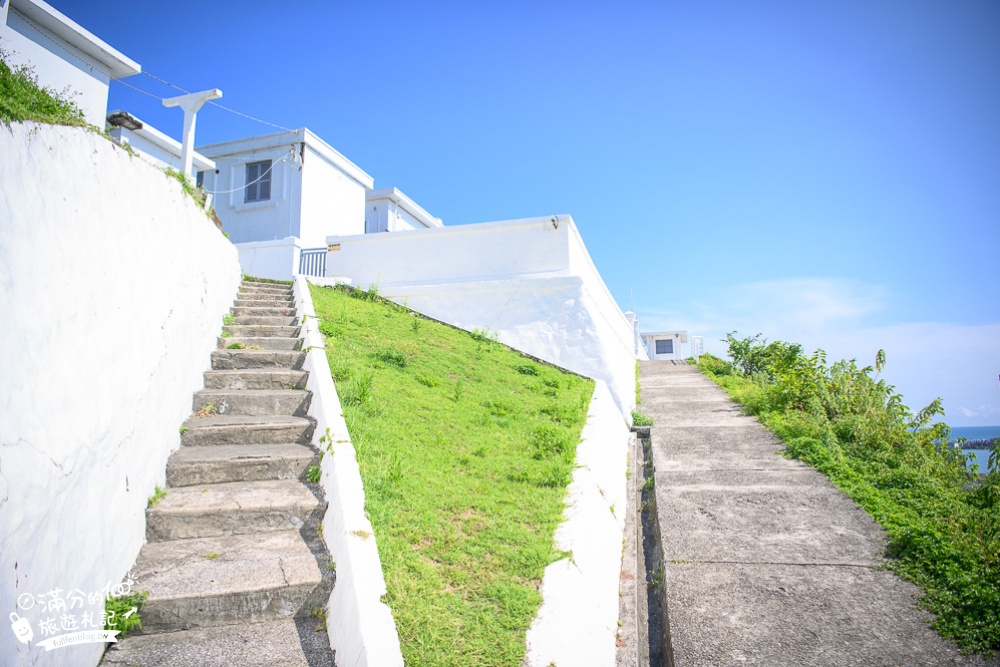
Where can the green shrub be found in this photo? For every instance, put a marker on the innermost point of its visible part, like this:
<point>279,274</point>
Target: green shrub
<point>639,419</point>
<point>23,99</point>
<point>122,612</point>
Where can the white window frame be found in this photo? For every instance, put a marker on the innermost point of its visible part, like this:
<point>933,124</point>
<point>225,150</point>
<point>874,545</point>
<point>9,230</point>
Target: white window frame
<point>656,346</point>
<point>254,182</point>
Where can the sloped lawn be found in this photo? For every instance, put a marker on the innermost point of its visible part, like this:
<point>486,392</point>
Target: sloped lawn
<point>466,448</point>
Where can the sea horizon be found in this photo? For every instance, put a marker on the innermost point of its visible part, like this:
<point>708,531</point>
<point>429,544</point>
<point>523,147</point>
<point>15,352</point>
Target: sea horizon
<point>974,433</point>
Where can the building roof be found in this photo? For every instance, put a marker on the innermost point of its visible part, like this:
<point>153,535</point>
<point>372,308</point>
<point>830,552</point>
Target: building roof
<point>45,16</point>
<point>405,203</point>
<point>683,335</point>
<point>136,126</point>
<point>279,139</point>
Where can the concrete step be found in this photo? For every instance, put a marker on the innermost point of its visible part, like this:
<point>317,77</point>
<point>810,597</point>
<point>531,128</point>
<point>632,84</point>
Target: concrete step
<point>260,342</point>
<point>256,378</point>
<point>248,645</point>
<point>261,331</point>
<point>257,402</point>
<point>235,359</point>
<point>241,311</point>
<point>189,466</point>
<point>284,296</point>
<point>267,320</point>
<point>246,430</point>
<point>230,508</point>
<point>266,295</point>
<point>263,301</point>
<point>213,581</point>
<point>254,284</point>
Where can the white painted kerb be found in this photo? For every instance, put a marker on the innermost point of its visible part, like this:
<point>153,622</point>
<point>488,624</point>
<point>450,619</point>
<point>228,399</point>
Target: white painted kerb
<point>578,620</point>
<point>364,632</point>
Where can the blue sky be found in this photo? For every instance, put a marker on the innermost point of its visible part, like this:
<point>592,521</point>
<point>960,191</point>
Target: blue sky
<point>821,172</point>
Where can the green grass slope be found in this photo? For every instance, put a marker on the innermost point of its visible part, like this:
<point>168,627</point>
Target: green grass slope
<point>466,448</point>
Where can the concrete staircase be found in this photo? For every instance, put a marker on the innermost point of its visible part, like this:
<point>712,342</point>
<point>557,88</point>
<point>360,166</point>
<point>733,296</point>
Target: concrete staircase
<point>233,562</point>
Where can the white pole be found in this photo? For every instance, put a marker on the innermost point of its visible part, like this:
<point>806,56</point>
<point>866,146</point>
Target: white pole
<point>190,103</point>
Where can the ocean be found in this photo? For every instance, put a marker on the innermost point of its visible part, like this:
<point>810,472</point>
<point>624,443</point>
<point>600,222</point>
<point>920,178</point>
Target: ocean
<point>976,433</point>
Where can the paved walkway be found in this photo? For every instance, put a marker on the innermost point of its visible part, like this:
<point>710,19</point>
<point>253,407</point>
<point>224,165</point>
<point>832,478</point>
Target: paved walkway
<point>766,562</point>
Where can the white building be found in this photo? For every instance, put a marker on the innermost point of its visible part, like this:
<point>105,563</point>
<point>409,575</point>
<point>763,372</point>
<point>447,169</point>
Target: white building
<point>287,184</point>
<point>664,344</point>
<point>531,282</point>
<point>279,196</point>
<point>156,147</point>
<point>63,55</point>
<point>389,210</point>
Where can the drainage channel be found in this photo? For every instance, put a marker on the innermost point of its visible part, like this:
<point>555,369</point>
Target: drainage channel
<point>649,553</point>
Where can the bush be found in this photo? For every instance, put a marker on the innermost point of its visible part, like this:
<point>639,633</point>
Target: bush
<point>639,419</point>
<point>21,99</point>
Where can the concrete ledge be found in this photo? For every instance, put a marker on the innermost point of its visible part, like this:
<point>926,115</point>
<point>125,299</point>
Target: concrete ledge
<point>578,620</point>
<point>364,632</point>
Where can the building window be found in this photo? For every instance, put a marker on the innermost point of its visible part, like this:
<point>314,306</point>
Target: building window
<point>199,180</point>
<point>664,346</point>
<point>258,181</point>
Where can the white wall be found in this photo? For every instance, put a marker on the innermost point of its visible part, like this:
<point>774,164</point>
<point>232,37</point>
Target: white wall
<point>383,215</point>
<point>269,220</point>
<point>389,210</point>
<point>332,203</point>
<point>86,79</point>
<point>531,281</point>
<point>679,339</point>
<point>112,288</point>
<point>315,191</point>
<point>278,260</point>
<point>4,6</point>
<point>157,148</point>
<point>487,251</point>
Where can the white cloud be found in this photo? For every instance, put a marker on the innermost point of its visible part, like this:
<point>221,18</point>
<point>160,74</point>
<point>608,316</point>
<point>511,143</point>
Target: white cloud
<point>925,360</point>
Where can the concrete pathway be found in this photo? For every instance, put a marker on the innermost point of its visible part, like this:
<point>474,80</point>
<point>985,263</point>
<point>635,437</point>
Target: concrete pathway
<point>765,561</point>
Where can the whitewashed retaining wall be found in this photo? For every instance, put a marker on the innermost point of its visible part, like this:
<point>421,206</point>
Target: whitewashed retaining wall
<point>364,634</point>
<point>277,260</point>
<point>530,281</point>
<point>578,620</point>
<point>112,289</point>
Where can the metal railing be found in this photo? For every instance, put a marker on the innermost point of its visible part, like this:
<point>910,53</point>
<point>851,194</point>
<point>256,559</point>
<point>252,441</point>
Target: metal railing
<point>312,262</point>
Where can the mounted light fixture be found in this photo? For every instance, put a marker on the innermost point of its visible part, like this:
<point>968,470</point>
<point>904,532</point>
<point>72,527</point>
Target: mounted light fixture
<point>126,120</point>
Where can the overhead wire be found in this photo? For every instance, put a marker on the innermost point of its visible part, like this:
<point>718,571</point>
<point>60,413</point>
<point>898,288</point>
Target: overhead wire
<point>214,104</point>
<point>274,163</point>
